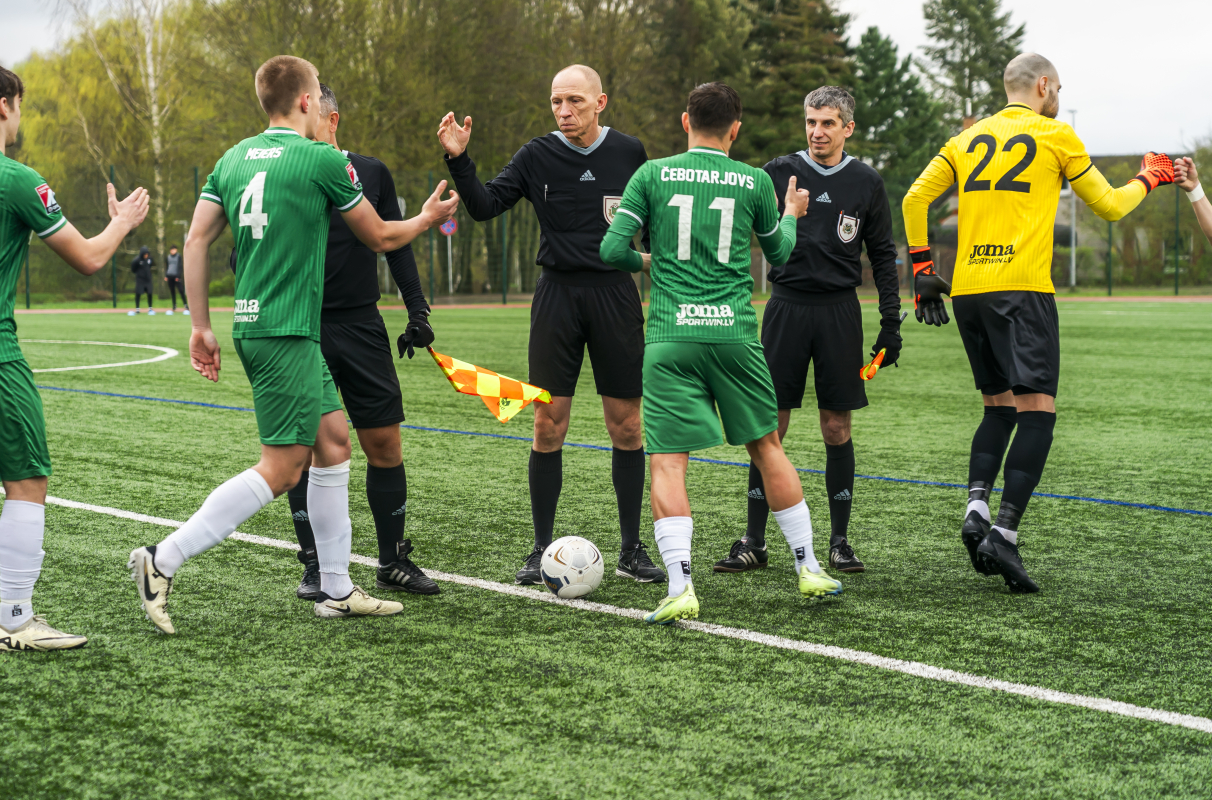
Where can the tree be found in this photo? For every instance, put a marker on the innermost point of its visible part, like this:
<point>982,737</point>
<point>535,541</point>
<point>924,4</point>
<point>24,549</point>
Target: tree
<point>971,44</point>
<point>898,125</point>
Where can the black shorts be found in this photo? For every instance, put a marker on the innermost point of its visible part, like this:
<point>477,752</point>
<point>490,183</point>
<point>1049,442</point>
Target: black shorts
<point>360,360</point>
<point>608,319</point>
<point>1012,339</point>
<point>830,336</point>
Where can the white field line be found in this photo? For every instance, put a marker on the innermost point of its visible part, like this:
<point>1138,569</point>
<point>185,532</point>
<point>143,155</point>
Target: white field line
<point>913,668</point>
<point>165,353</point>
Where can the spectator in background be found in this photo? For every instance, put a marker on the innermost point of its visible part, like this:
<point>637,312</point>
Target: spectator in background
<point>142,267</point>
<point>174,276</point>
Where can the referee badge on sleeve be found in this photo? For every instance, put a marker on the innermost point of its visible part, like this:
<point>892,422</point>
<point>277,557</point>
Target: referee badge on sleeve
<point>847,227</point>
<point>610,207</point>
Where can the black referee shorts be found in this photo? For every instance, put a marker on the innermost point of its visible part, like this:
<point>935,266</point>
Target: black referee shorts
<point>1012,340</point>
<point>829,335</point>
<point>359,358</point>
<point>564,320</point>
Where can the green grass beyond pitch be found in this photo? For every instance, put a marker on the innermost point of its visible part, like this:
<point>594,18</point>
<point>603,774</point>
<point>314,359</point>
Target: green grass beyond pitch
<point>473,694</point>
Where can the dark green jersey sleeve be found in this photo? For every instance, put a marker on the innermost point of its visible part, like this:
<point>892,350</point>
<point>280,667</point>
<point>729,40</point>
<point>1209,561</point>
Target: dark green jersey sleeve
<point>33,202</point>
<point>336,178</point>
<point>211,190</point>
<point>628,220</point>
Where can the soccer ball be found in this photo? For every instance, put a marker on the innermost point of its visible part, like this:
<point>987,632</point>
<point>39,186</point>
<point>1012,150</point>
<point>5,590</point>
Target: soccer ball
<point>572,567</point>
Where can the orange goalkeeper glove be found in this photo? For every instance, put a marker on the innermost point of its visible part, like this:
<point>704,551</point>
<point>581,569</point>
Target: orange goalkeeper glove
<point>928,289</point>
<point>1156,169</point>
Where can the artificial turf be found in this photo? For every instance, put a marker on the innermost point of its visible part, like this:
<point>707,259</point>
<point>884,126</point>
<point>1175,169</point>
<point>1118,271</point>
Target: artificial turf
<point>472,694</point>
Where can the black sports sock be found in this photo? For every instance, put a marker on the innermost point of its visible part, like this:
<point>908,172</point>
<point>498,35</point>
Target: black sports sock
<point>298,513</point>
<point>1025,464</point>
<point>627,473</point>
<point>546,480</point>
<point>387,494</point>
<point>839,483</point>
<point>989,444</point>
<point>759,509</point>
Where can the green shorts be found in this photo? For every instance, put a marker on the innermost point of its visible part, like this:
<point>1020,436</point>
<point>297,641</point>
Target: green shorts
<point>291,387</point>
<point>23,452</point>
<point>684,384</point>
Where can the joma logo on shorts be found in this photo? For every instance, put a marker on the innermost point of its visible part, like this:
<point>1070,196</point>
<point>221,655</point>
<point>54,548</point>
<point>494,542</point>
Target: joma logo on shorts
<point>248,306</point>
<point>991,254</point>
<point>693,314</point>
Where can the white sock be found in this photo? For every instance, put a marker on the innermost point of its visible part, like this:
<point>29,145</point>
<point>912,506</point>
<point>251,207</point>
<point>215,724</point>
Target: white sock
<point>979,506</point>
<point>22,527</point>
<point>1009,536</point>
<point>796,524</point>
<point>673,535</point>
<point>328,507</point>
<point>226,508</point>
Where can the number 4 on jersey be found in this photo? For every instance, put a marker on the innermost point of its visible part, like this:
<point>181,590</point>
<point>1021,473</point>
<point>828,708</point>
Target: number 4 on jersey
<point>254,195</point>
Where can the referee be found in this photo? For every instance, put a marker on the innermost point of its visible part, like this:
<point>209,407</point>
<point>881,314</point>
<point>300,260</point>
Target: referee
<point>814,317</point>
<point>353,339</point>
<point>574,177</point>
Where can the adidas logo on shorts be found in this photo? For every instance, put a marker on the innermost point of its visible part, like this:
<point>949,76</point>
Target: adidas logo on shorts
<point>824,198</point>
<point>588,176</point>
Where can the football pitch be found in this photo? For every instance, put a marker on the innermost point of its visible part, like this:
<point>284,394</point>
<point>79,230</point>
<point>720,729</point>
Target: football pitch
<point>484,691</point>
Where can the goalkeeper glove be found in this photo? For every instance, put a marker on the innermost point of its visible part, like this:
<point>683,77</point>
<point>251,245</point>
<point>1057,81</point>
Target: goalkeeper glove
<point>888,340</point>
<point>1156,169</point>
<point>417,333</point>
<point>928,289</point>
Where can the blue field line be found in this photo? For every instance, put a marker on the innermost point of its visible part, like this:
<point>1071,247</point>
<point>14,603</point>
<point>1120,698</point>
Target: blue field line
<point>912,481</point>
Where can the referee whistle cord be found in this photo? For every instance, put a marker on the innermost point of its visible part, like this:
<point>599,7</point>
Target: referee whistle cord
<point>745,464</point>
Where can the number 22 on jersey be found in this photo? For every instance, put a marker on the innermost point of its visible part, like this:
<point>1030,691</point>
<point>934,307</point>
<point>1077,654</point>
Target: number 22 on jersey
<point>253,197</point>
<point>684,203</point>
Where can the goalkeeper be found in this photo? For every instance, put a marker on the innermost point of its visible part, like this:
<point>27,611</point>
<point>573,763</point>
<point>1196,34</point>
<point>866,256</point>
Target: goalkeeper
<point>702,350</point>
<point>1009,169</point>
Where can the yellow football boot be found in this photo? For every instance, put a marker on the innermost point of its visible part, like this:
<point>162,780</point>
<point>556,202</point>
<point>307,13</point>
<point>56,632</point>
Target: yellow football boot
<point>818,584</point>
<point>684,606</point>
<point>358,604</point>
<point>37,635</point>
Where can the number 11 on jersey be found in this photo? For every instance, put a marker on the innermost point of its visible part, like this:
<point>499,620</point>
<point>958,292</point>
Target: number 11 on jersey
<point>684,203</point>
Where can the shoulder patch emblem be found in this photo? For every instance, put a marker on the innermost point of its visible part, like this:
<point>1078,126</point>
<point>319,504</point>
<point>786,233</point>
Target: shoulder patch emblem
<point>353,173</point>
<point>610,207</point>
<point>847,227</point>
<point>48,199</point>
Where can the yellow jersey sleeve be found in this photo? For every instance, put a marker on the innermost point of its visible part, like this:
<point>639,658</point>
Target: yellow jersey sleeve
<point>935,179</point>
<point>1107,202</point>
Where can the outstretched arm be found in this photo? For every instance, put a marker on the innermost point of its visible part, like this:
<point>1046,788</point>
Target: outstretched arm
<point>483,201</point>
<point>383,237</point>
<point>86,256</point>
<point>208,222</point>
<point>1188,180</point>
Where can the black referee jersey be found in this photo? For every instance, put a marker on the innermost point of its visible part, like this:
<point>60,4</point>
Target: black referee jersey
<point>847,210</point>
<point>574,191</point>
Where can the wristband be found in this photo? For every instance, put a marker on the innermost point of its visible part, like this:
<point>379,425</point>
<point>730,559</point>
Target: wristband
<point>1196,194</point>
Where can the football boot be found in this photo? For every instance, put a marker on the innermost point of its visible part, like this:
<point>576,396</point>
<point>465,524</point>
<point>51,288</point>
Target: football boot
<point>309,587</point>
<point>404,576</point>
<point>973,532</point>
<point>529,574</point>
<point>634,563</point>
<point>1003,556</point>
<point>358,604</point>
<point>35,634</point>
<point>684,606</point>
<point>742,557</point>
<point>818,584</point>
<point>843,559</point>
<point>153,586</point>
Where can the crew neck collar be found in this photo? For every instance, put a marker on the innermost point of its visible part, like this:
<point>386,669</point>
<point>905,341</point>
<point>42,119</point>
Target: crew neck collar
<point>278,129</point>
<point>585,150</point>
<point>710,151</point>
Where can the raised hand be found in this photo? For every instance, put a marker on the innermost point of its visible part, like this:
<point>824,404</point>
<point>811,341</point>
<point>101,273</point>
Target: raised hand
<point>1185,175</point>
<point>796,201</point>
<point>131,211</point>
<point>438,211</point>
<point>204,353</point>
<point>453,138</point>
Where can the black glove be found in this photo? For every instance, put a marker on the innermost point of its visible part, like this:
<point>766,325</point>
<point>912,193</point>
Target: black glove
<point>417,334</point>
<point>928,289</point>
<point>889,339</point>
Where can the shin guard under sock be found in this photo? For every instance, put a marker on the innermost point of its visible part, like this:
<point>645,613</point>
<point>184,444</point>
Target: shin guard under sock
<point>673,536</point>
<point>627,474</point>
<point>1024,466</point>
<point>225,508</point>
<point>22,529</point>
<point>759,509</point>
<point>546,480</point>
<point>839,483</point>
<point>297,497</point>
<point>387,494</point>
<point>328,502</point>
<point>988,447</point>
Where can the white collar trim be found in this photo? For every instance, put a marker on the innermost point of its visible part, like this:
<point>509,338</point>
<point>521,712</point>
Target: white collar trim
<point>585,150</point>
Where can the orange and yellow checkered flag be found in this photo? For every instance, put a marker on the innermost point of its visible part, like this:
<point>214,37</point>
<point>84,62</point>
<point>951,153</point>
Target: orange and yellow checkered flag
<point>504,396</point>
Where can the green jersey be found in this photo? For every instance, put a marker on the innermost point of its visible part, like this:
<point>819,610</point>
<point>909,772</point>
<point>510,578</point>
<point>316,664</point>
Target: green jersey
<point>26,204</point>
<point>700,208</point>
<point>277,190</point>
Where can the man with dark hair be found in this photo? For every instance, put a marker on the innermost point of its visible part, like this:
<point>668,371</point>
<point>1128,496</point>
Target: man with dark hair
<point>27,205</point>
<point>174,276</point>
<point>277,190</point>
<point>142,265</point>
<point>702,350</point>
<point>574,178</point>
<point>353,340</point>
<point>814,315</point>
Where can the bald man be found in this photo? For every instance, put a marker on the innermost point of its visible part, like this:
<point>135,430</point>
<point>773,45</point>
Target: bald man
<point>574,177</point>
<point>1009,168</point>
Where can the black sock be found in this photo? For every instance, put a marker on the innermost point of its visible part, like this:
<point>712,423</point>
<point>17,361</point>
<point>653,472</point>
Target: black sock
<point>759,509</point>
<point>1025,464</point>
<point>627,473</point>
<point>298,513</point>
<point>546,480</point>
<point>989,444</point>
<point>839,483</point>
<point>387,494</point>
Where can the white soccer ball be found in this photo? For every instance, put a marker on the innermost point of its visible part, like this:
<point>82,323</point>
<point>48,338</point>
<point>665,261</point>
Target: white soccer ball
<point>572,567</point>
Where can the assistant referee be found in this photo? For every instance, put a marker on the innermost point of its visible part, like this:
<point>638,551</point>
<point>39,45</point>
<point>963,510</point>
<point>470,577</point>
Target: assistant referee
<point>574,177</point>
<point>814,316</point>
<point>354,342</point>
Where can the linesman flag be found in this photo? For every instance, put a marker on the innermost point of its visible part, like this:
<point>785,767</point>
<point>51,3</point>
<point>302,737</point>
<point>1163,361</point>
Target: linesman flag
<point>504,396</point>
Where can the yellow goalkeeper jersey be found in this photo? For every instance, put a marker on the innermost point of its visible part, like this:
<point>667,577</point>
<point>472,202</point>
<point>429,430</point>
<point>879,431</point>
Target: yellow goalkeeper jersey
<point>1009,168</point>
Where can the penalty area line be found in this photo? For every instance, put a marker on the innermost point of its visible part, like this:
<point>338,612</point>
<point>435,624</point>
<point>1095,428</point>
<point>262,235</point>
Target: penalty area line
<point>912,668</point>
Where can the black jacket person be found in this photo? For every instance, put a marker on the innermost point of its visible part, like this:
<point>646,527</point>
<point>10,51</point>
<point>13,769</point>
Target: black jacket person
<point>142,267</point>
